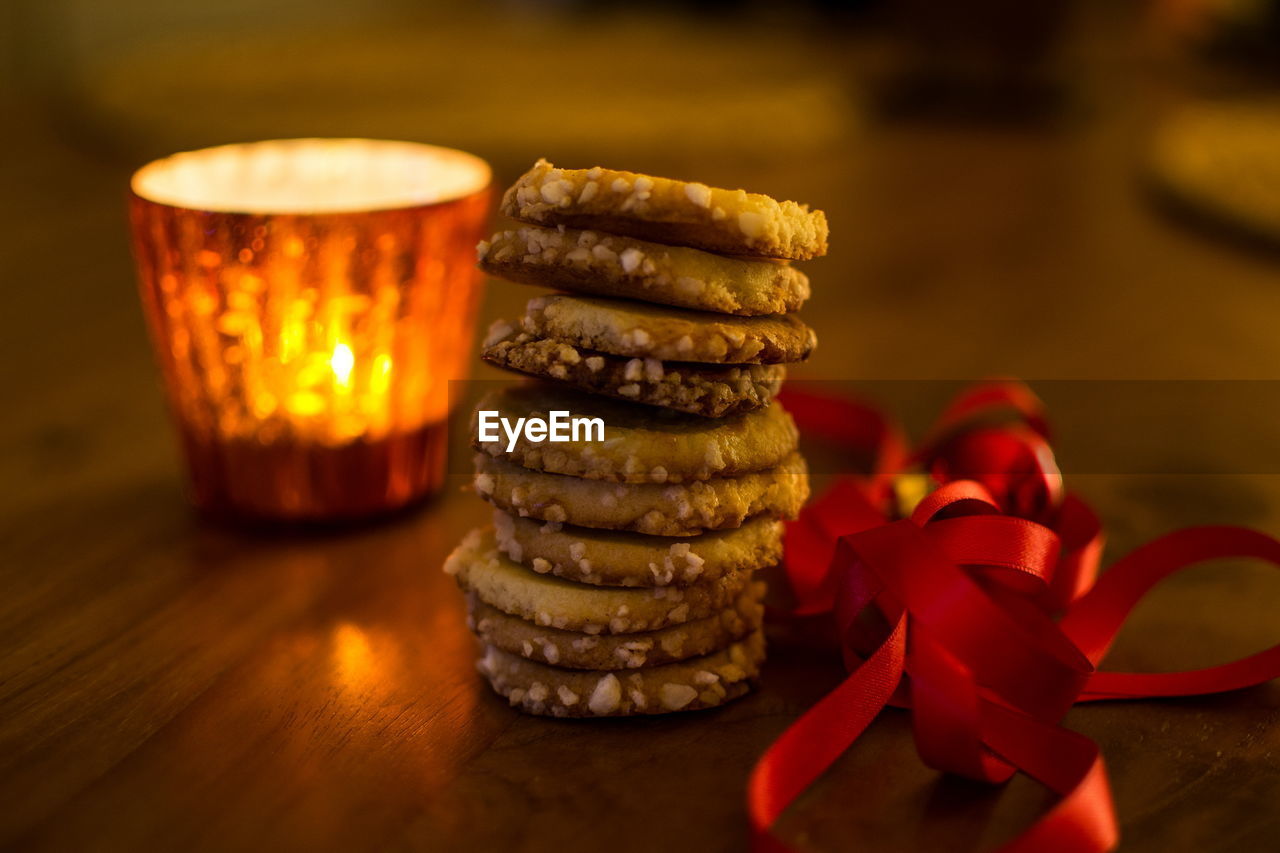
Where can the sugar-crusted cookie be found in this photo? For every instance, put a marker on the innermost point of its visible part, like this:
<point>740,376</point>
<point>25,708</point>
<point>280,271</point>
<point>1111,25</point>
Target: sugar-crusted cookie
<point>693,684</point>
<point>641,444</point>
<point>618,558</point>
<point>575,650</point>
<point>610,265</point>
<point>548,601</point>
<point>680,509</point>
<point>710,390</point>
<point>680,213</point>
<point>637,330</point>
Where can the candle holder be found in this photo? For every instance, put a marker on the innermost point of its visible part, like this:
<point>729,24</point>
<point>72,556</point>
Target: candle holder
<point>309,301</point>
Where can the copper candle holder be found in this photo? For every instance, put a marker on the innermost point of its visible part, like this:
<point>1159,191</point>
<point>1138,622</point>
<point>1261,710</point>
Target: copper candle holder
<point>309,301</point>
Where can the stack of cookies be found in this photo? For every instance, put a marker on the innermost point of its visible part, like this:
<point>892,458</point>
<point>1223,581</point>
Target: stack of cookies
<point>618,575</point>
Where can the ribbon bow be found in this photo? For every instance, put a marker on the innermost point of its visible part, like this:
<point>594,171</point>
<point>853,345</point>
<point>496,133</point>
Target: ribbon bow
<point>948,612</point>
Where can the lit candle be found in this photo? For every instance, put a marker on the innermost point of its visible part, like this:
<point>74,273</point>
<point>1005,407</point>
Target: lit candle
<point>309,301</point>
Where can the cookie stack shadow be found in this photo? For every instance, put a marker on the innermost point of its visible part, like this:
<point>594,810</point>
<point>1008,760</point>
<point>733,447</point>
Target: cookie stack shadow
<point>618,576</point>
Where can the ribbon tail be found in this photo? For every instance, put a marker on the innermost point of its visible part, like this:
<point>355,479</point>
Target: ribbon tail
<point>813,743</point>
<point>1247,672</point>
<point>1084,820</point>
<point>1095,619</point>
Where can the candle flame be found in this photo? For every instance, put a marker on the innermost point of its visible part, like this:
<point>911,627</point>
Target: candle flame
<point>341,362</point>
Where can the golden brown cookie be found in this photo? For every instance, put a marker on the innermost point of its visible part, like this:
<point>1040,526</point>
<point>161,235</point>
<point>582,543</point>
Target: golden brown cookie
<point>641,444</point>
<point>709,390</point>
<point>575,650</point>
<point>688,685</point>
<point>548,601</point>
<point>619,558</point>
<point>638,330</point>
<point>679,509</point>
<point>610,265</point>
<point>732,222</point>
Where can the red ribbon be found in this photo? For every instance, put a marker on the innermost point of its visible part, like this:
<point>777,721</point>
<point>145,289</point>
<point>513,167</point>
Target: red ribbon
<point>966,585</point>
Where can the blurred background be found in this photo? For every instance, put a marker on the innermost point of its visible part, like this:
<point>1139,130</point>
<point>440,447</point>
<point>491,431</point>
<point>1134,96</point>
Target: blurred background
<point>1059,190</point>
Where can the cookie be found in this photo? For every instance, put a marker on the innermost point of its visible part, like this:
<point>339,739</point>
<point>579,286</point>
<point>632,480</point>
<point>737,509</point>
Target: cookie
<point>610,265</point>
<point>689,685</point>
<point>707,390</point>
<point>573,650</point>
<point>548,601</point>
<point>732,222</point>
<point>637,330</point>
<point>680,509</point>
<point>617,558</point>
<point>641,444</point>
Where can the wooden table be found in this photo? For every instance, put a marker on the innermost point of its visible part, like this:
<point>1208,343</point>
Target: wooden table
<point>170,684</point>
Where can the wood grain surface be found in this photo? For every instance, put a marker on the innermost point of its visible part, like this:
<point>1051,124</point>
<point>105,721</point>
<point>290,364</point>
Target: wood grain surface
<point>169,684</point>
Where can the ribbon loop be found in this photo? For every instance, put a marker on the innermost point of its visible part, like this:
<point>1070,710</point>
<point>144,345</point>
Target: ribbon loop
<point>1027,661</point>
